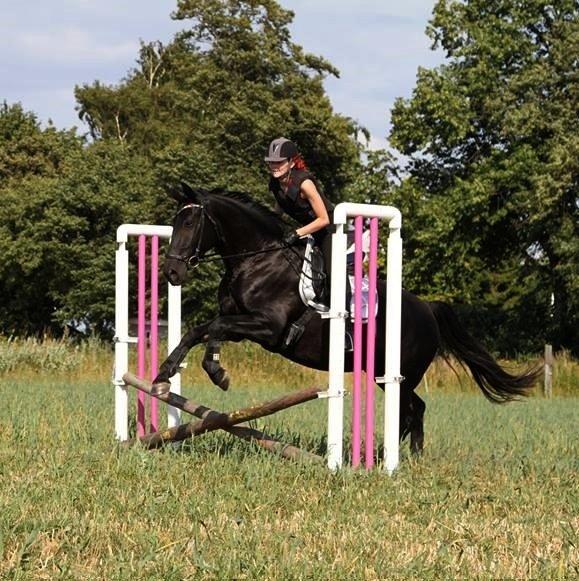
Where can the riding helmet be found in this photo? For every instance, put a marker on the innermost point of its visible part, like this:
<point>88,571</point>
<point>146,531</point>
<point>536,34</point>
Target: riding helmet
<point>281,149</point>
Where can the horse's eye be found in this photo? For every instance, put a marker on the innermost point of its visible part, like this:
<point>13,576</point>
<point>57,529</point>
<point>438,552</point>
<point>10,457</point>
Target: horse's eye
<point>188,223</point>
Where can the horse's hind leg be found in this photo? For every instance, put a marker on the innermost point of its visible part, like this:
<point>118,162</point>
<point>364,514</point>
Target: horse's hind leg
<point>412,418</point>
<point>170,366</point>
<point>417,425</point>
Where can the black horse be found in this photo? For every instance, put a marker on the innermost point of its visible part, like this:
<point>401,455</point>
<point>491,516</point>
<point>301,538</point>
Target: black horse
<point>259,299</point>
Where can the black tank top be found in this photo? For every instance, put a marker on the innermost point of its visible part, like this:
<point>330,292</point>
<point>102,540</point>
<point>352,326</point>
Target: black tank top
<point>294,205</point>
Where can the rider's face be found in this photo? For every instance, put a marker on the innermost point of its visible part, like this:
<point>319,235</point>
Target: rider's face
<point>279,168</point>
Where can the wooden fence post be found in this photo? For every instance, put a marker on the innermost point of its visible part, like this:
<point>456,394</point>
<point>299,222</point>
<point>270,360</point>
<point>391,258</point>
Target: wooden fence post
<point>548,383</point>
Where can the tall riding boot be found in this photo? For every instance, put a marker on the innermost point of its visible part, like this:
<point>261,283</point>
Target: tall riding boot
<point>349,332</point>
<point>349,336</point>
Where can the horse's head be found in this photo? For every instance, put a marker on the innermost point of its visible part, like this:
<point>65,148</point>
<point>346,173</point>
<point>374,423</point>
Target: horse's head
<point>232,223</point>
<point>193,234</point>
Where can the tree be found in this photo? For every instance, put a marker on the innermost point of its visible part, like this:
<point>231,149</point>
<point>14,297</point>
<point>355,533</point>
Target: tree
<point>61,203</point>
<point>29,158</point>
<point>200,109</point>
<point>494,165</point>
<point>205,106</point>
<point>26,150</point>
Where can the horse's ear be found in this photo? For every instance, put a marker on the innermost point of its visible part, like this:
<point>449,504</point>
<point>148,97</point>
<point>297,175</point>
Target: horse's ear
<point>196,196</point>
<point>177,195</point>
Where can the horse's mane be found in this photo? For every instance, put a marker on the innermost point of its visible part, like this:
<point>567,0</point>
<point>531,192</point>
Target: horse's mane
<point>268,219</point>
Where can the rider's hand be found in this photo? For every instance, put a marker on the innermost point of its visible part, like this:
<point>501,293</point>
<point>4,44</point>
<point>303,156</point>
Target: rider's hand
<point>291,238</point>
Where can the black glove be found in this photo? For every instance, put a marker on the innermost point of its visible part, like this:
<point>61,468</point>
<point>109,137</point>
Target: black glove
<point>291,238</point>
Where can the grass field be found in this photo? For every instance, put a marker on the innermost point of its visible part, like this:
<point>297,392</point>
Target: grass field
<point>495,495</point>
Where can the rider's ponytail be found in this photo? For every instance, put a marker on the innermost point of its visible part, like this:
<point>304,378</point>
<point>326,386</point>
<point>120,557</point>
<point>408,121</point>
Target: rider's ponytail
<point>299,162</point>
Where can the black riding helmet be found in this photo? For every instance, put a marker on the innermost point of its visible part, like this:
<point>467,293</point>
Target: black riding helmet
<point>281,149</point>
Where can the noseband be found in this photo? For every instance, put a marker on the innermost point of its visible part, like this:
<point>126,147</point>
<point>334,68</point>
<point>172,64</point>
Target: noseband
<point>192,260</point>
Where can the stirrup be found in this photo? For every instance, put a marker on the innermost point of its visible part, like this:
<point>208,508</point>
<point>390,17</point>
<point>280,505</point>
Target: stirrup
<point>348,342</point>
<point>294,334</point>
<point>319,307</point>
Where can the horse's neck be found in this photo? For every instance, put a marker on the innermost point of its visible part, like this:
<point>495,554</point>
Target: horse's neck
<point>239,232</point>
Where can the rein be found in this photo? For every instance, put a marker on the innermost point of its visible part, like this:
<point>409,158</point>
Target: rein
<point>215,256</point>
<point>195,259</point>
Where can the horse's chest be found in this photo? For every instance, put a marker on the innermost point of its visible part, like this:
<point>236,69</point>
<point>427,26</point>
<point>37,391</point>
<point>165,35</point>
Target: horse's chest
<point>256,291</point>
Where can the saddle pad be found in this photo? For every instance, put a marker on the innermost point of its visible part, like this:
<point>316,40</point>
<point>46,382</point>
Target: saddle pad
<point>365,297</point>
<point>308,294</point>
<point>306,286</point>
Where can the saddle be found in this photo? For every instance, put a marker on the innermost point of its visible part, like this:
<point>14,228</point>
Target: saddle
<point>314,291</point>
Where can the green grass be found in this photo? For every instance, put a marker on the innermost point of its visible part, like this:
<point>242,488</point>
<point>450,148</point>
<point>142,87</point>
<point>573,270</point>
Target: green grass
<point>495,495</point>
<point>247,363</point>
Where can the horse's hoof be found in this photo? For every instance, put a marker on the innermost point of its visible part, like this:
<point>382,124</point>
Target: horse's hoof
<point>222,380</point>
<point>218,375</point>
<point>160,388</point>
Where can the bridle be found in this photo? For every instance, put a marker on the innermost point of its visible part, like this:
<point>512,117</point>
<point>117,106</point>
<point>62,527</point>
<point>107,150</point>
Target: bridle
<point>191,260</point>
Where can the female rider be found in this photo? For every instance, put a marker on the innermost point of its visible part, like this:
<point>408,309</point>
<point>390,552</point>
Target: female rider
<point>297,194</point>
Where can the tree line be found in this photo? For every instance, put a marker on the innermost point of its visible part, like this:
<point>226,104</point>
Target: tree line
<point>487,183</point>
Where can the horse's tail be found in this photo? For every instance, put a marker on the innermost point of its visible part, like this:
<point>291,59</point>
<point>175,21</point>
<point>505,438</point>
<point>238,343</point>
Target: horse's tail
<point>497,385</point>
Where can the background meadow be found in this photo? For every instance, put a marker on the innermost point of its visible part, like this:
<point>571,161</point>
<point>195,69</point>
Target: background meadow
<point>495,494</point>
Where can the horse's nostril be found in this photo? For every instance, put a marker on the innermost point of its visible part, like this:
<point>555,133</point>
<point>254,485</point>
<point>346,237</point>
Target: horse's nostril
<point>171,275</point>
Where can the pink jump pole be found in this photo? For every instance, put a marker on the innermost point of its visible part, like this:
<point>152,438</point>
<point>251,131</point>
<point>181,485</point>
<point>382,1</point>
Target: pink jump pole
<point>357,389</point>
<point>154,336</point>
<point>141,330</point>
<point>371,343</point>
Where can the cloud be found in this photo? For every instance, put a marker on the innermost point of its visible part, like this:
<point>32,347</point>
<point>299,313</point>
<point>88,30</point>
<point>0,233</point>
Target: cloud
<point>61,110</point>
<point>378,143</point>
<point>407,11</point>
<point>46,48</point>
<point>72,45</point>
<point>69,31</point>
<point>377,46</point>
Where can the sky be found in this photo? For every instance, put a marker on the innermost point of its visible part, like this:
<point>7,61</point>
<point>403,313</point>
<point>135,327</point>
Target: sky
<point>48,47</point>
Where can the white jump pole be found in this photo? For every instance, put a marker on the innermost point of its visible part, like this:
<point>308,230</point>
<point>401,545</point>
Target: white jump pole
<point>122,338</point>
<point>337,315</point>
<point>392,377</point>
<point>173,339</point>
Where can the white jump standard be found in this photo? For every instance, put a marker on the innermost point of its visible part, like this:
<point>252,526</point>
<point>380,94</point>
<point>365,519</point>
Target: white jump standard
<point>338,314</point>
<point>122,338</point>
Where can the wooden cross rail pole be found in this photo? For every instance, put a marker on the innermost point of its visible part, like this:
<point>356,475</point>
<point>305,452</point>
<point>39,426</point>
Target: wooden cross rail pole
<point>548,383</point>
<point>213,420</point>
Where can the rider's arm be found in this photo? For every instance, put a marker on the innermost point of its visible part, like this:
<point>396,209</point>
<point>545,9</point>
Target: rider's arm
<point>310,193</point>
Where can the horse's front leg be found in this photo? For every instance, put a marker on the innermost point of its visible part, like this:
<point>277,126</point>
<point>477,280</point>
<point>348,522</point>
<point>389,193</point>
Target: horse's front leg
<point>257,328</point>
<point>211,364</point>
<point>171,365</point>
